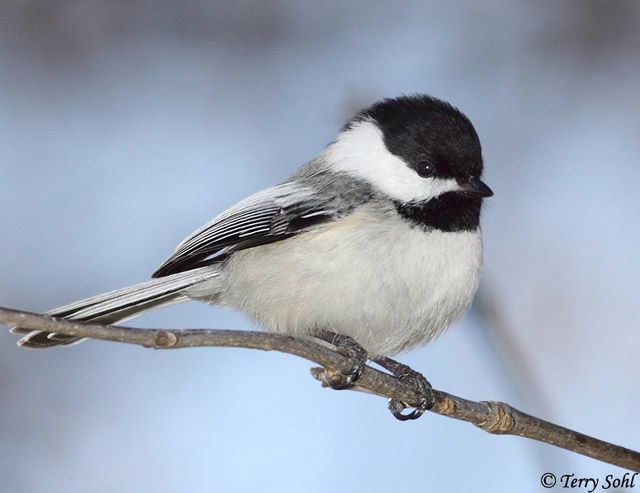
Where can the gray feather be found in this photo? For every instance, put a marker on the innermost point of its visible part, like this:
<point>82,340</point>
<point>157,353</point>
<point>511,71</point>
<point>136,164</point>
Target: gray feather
<point>310,199</point>
<point>118,305</point>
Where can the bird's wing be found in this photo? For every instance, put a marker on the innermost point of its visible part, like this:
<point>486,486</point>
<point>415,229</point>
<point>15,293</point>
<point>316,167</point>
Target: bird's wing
<point>264,217</point>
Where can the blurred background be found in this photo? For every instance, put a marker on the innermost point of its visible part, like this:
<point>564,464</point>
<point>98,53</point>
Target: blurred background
<point>128,124</point>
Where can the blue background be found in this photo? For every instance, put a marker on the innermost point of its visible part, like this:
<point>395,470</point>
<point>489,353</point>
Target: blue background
<point>127,125</point>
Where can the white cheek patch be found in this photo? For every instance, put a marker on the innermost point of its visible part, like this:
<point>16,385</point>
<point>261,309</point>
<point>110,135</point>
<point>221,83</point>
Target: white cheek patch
<point>360,152</point>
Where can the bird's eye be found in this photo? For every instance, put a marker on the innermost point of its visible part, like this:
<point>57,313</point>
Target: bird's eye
<point>425,169</point>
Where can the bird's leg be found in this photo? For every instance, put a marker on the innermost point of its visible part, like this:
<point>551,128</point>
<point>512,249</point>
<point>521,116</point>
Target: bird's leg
<point>406,374</point>
<point>349,348</point>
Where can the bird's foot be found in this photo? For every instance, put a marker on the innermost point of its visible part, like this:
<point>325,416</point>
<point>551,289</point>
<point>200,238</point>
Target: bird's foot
<point>349,348</point>
<point>427,397</point>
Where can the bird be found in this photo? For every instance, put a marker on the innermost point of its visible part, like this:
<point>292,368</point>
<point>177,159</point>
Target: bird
<point>377,240</point>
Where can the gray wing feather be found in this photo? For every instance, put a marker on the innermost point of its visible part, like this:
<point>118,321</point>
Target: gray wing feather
<point>296,206</point>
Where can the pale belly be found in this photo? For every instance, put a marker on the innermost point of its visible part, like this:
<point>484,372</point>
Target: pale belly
<point>389,286</point>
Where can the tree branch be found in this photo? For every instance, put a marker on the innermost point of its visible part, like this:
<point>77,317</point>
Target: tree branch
<point>493,417</point>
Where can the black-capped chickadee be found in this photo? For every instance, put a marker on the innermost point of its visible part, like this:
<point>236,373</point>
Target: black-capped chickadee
<point>377,238</point>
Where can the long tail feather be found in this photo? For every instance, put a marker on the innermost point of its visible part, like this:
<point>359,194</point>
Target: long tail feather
<point>118,305</point>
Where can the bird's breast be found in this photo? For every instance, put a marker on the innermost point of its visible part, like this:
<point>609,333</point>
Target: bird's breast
<point>387,284</point>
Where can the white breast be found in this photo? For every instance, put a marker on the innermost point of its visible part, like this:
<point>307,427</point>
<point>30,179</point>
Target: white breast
<point>387,284</point>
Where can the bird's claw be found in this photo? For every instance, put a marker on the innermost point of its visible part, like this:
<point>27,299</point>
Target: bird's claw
<point>349,348</point>
<point>427,397</point>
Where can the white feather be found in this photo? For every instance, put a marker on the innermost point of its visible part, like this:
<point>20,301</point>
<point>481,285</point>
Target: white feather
<point>360,151</point>
<point>371,276</point>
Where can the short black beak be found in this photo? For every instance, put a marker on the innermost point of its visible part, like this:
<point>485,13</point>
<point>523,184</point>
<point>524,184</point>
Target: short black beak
<point>475,186</point>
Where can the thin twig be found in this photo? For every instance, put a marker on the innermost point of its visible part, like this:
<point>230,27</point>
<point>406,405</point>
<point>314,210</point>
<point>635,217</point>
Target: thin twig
<point>493,417</point>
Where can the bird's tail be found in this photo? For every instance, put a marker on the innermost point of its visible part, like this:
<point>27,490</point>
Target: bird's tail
<point>118,305</point>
